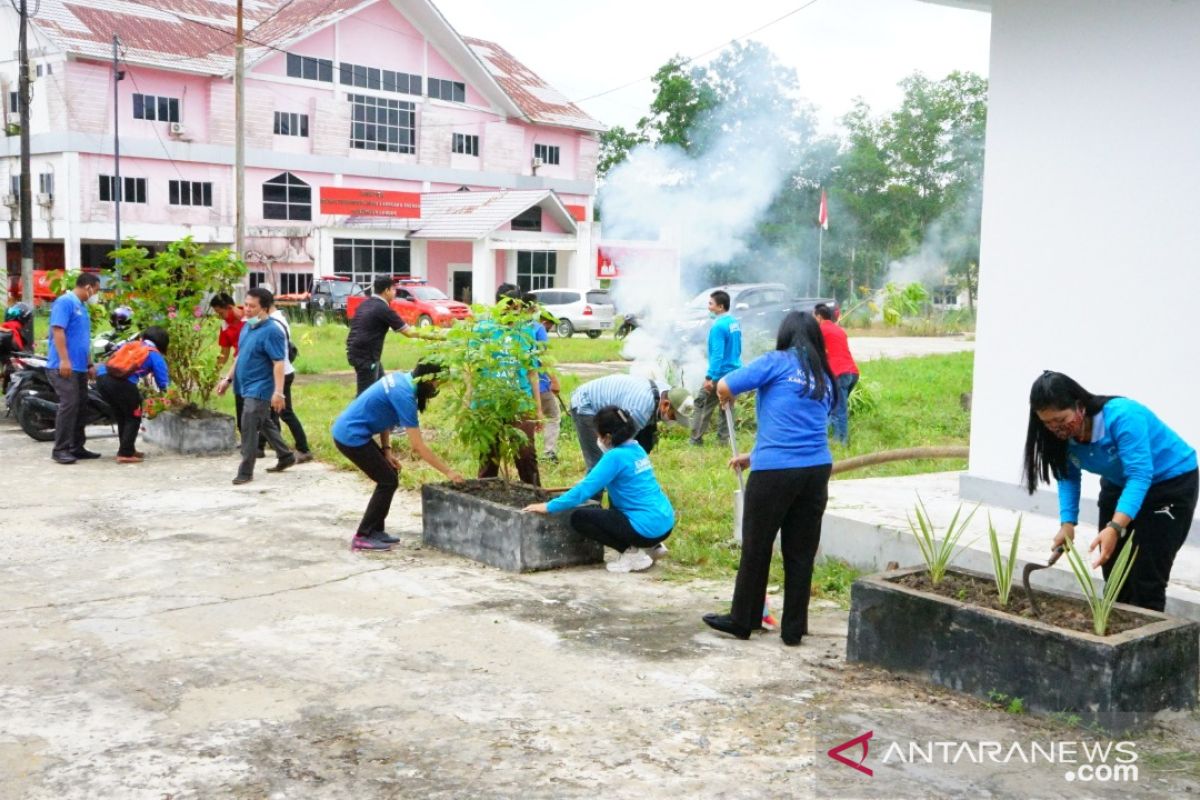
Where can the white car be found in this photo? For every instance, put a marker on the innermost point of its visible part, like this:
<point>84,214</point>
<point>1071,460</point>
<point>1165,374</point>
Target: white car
<point>587,310</point>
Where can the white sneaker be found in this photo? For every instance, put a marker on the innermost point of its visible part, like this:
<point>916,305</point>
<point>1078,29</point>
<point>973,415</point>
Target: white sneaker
<point>658,551</point>
<point>632,560</point>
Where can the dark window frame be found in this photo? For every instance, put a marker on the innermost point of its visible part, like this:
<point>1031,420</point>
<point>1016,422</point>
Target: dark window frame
<point>291,123</point>
<point>466,144</point>
<point>309,68</point>
<point>448,90</point>
<point>536,269</point>
<point>292,198</point>
<point>528,220</point>
<point>189,193</point>
<point>155,108</point>
<point>550,154</point>
<point>382,124</point>
<point>362,260</point>
<point>134,189</point>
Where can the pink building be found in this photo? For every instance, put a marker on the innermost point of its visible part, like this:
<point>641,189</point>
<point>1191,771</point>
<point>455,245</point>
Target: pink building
<point>378,141</point>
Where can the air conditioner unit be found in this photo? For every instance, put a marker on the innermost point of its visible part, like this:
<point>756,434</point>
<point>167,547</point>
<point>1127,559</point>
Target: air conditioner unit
<point>177,129</point>
<point>45,199</point>
<point>537,162</point>
<point>12,200</point>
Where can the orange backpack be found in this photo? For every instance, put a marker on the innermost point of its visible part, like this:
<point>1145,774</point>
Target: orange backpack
<point>128,359</point>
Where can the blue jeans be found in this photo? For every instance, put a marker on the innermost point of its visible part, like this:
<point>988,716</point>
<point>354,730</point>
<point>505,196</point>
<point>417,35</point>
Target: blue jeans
<point>840,415</point>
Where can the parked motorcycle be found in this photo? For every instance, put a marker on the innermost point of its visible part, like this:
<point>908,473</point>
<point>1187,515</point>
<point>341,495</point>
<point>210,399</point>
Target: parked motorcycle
<point>107,343</point>
<point>32,400</point>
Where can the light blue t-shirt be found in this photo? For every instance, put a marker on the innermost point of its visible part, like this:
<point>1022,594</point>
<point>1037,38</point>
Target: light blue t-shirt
<point>1131,448</point>
<point>627,474</point>
<point>791,422</point>
<point>542,339</point>
<point>724,347</point>
<point>389,402</point>
<point>70,314</point>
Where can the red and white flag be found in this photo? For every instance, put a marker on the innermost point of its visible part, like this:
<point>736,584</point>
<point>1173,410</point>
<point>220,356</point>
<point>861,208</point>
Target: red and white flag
<point>823,214</point>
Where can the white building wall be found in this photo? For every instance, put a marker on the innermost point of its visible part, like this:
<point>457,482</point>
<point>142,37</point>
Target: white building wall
<point>1091,216</point>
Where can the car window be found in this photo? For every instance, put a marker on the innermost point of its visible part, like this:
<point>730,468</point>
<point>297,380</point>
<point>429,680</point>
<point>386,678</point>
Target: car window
<point>566,298</point>
<point>341,288</point>
<point>773,297</point>
<point>750,299</point>
<point>599,297</point>
<point>428,293</point>
<point>546,298</point>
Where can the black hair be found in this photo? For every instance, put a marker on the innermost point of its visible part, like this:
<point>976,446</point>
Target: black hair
<point>617,423</point>
<point>509,291</point>
<point>801,333</point>
<point>1045,453</point>
<point>382,284</point>
<point>263,296</point>
<point>722,298</point>
<point>87,279</point>
<point>161,339</point>
<point>423,376</point>
<point>822,311</point>
<point>220,300</point>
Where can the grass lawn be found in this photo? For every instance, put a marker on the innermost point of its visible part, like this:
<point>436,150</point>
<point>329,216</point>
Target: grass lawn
<point>918,405</point>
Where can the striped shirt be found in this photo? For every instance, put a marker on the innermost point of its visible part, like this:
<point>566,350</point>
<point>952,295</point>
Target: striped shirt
<point>635,395</point>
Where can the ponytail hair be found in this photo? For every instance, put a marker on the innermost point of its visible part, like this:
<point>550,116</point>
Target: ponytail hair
<point>617,423</point>
<point>423,376</point>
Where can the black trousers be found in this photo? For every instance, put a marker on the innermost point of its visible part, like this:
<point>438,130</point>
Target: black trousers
<point>790,502</point>
<point>258,423</point>
<point>69,435</point>
<point>611,528</point>
<point>126,402</point>
<point>289,418</point>
<point>1161,527</point>
<point>370,459</point>
<point>365,375</point>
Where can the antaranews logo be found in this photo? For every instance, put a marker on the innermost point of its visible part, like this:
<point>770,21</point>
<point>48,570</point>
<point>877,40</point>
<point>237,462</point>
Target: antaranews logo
<point>836,752</point>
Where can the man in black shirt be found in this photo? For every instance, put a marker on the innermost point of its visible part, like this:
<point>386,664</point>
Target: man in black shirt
<point>368,328</point>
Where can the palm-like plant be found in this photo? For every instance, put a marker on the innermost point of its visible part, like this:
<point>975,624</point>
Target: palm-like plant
<point>1003,569</point>
<point>1101,603</point>
<point>938,553</point>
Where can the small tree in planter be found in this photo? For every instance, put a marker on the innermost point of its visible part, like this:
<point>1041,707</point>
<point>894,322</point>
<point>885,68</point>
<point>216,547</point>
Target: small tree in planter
<point>171,289</point>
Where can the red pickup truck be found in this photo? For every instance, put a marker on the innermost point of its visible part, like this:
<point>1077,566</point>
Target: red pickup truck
<point>419,304</point>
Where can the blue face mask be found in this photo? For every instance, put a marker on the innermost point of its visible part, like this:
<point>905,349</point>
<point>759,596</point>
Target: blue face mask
<point>712,315</point>
<point>253,321</point>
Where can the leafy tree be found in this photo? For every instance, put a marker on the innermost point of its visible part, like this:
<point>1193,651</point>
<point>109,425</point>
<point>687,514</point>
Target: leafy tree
<point>615,144</point>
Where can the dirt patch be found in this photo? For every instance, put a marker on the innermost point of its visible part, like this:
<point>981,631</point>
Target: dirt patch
<point>514,495</point>
<point>1061,612</point>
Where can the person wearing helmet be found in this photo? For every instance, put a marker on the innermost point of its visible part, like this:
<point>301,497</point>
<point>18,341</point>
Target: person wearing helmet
<point>121,318</point>
<point>118,380</point>
<point>18,319</point>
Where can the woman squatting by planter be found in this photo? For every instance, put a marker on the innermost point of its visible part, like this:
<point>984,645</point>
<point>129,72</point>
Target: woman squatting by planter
<point>395,400</point>
<point>117,382</point>
<point>789,482</point>
<point>1148,478</point>
<point>640,517</point>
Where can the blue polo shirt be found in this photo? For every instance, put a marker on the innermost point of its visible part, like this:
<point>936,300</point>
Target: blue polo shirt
<point>390,401</point>
<point>543,341</point>
<point>70,314</point>
<point>259,347</point>
<point>791,422</point>
<point>625,471</point>
<point>724,347</point>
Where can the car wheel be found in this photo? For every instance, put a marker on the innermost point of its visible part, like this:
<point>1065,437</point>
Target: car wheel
<point>424,321</point>
<point>565,328</point>
<point>319,318</point>
<point>594,334</point>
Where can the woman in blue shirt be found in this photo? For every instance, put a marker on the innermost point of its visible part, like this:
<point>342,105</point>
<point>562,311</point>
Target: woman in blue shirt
<point>789,484</point>
<point>640,517</point>
<point>1148,478</point>
<point>393,401</point>
<point>122,394</point>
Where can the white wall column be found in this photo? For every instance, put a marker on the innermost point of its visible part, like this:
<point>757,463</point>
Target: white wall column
<point>419,258</point>
<point>483,272</point>
<point>68,196</point>
<point>510,266</point>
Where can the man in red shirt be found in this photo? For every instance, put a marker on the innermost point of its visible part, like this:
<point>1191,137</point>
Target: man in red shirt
<point>232,319</point>
<point>845,371</point>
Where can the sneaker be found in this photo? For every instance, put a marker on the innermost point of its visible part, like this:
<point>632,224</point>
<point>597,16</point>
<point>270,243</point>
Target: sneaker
<point>658,551</point>
<point>129,459</point>
<point>303,458</point>
<point>632,560</point>
<point>83,454</point>
<point>367,543</point>
<point>283,464</point>
<point>382,536</point>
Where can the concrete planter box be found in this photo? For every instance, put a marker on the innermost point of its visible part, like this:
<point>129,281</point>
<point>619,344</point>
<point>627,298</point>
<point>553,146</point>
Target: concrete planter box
<point>1118,681</point>
<point>499,535</point>
<point>213,433</point>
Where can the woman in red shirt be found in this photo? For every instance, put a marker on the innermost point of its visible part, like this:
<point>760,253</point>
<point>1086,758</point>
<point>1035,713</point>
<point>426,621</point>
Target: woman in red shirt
<point>845,371</point>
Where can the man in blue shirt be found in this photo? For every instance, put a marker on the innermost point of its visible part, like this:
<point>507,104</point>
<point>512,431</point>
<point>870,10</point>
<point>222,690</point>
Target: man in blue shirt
<point>70,366</point>
<point>724,356</point>
<point>257,376</point>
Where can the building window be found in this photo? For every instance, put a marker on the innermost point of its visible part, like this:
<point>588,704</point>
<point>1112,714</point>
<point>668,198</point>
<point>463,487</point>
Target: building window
<point>257,279</point>
<point>14,186</point>
<point>190,193</point>
<point>528,220</point>
<point>135,189</point>
<point>378,79</point>
<point>289,124</point>
<point>309,68</point>
<point>14,103</point>
<point>162,109</point>
<point>546,152</point>
<point>287,197</point>
<point>465,143</point>
<point>362,260</point>
<point>381,124</point>
<point>295,282</point>
<point>536,269</point>
<point>46,183</point>
<point>453,91</point>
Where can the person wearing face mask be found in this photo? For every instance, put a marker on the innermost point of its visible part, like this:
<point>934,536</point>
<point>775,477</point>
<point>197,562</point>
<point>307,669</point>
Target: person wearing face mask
<point>1148,478</point>
<point>640,517</point>
<point>70,366</point>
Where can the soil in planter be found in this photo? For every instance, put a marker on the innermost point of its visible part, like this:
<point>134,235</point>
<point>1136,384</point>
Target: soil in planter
<point>514,495</point>
<point>1061,612</point>
<point>196,412</point>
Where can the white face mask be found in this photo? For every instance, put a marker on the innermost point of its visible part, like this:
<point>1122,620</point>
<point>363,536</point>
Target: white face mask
<point>94,300</point>
<point>604,448</point>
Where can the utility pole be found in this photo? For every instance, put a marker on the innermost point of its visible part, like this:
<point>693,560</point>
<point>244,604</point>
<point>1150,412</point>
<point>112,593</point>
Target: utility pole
<point>26,185</point>
<point>118,75</point>
<point>239,145</point>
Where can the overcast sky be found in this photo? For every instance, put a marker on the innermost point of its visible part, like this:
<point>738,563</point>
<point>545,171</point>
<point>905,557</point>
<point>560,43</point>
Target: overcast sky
<point>839,48</point>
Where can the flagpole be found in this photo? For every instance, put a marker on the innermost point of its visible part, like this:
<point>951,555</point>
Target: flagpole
<point>820,249</point>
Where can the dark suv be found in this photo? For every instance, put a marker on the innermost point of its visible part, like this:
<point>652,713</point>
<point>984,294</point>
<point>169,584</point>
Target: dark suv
<point>758,307</point>
<point>327,301</point>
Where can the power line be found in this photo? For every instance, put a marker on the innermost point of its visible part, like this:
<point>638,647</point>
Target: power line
<point>154,128</point>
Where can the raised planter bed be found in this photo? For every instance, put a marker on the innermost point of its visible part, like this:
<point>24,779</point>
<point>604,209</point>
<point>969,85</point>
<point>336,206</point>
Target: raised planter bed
<point>483,521</point>
<point>1118,681</point>
<point>192,433</point>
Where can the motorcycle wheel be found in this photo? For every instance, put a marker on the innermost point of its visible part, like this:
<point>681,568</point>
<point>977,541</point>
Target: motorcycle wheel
<point>38,425</point>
